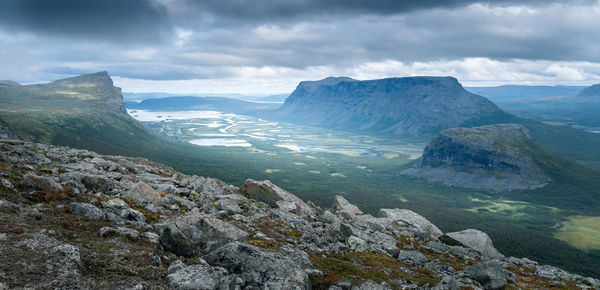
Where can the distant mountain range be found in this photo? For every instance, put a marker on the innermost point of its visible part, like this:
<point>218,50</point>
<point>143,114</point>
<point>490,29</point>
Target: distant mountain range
<point>190,103</point>
<point>509,92</point>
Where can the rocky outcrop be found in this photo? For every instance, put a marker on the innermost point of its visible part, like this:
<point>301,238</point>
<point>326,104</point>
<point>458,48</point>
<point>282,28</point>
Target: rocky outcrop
<point>495,157</point>
<point>341,205</point>
<point>399,106</point>
<point>273,195</point>
<point>476,240</point>
<point>128,223</point>
<point>190,235</point>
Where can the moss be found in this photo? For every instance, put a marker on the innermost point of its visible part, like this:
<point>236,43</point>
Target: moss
<point>266,244</point>
<point>150,216</point>
<point>358,267</point>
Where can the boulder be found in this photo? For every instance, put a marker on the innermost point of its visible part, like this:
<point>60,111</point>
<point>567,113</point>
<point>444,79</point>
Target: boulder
<point>87,210</point>
<point>32,181</point>
<point>229,205</point>
<point>121,231</point>
<point>196,277</point>
<point>192,234</point>
<point>143,194</point>
<point>259,268</point>
<point>274,196</point>
<point>412,257</point>
<point>411,219</point>
<point>95,183</point>
<point>490,274</point>
<point>476,240</point>
<point>341,205</point>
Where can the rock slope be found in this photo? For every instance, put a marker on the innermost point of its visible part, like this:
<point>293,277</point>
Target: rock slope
<point>399,106</point>
<point>77,219</point>
<point>495,157</point>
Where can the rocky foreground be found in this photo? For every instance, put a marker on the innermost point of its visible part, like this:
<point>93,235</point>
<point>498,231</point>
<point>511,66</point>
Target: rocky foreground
<point>76,219</point>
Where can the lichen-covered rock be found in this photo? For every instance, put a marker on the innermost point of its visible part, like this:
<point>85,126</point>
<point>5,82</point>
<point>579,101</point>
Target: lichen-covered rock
<point>32,181</point>
<point>197,277</point>
<point>143,194</point>
<point>490,274</point>
<point>259,268</point>
<point>190,235</point>
<point>412,257</point>
<point>87,210</point>
<point>120,231</point>
<point>476,240</point>
<point>273,195</point>
<point>411,219</point>
<point>341,205</point>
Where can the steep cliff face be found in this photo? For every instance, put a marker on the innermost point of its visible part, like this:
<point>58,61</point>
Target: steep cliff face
<point>496,157</point>
<point>400,106</point>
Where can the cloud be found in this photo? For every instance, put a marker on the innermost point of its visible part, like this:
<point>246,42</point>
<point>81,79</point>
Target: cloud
<point>256,43</point>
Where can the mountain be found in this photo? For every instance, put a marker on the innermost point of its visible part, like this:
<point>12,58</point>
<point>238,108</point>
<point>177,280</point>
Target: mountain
<point>590,94</point>
<point>76,219</point>
<point>509,92</point>
<point>397,106</point>
<point>189,103</point>
<point>578,110</point>
<point>494,157</point>
<point>419,108</point>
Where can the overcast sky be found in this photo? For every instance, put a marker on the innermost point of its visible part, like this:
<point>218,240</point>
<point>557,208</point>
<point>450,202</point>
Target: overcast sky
<point>268,46</point>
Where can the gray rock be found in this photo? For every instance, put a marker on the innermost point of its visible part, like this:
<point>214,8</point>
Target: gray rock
<point>195,277</point>
<point>412,257</point>
<point>329,217</point>
<point>412,219</point>
<point>121,231</point>
<point>490,274</point>
<point>32,181</point>
<point>273,195</point>
<point>151,237</point>
<point>190,235</point>
<point>229,205</point>
<point>341,205</point>
<point>259,267</point>
<point>143,194</point>
<point>447,283</point>
<point>96,183</point>
<point>370,285</point>
<point>87,210</point>
<point>476,240</point>
<point>115,203</point>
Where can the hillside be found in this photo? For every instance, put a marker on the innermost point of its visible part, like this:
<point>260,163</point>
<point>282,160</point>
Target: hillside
<point>398,106</point>
<point>78,219</point>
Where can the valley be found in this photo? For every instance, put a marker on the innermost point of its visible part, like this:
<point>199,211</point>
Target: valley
<point>316,163</point>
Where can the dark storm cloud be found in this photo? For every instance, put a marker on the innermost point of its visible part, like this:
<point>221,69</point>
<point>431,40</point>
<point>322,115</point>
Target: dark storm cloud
<point>277,9</point>
<point>119,20</point>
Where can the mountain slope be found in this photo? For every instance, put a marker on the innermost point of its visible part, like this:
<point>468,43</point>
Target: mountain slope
<point>398,106</point>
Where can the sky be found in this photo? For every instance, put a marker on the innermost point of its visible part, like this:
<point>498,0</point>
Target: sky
<point>268,46</point>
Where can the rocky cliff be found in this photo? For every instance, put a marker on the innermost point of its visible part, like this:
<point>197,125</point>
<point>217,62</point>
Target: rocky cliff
<point>77,219</point>
<point>494,157</point>
<point>400,106</point>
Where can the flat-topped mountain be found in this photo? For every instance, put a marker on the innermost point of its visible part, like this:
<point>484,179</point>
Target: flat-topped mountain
<point>399,106</point>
